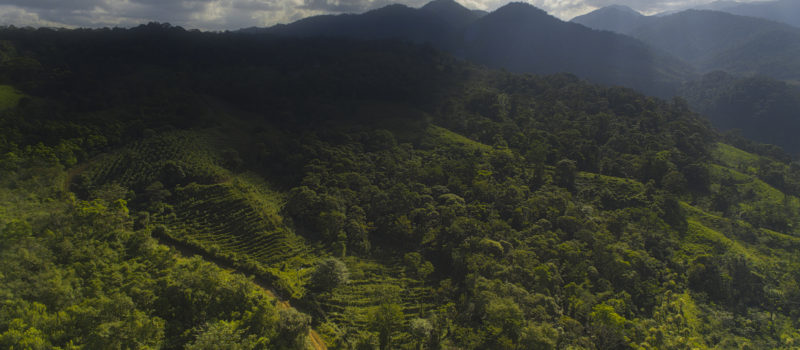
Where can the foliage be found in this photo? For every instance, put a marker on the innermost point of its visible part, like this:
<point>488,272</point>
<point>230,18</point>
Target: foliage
<point>470,208</point>
<point>329,274</point>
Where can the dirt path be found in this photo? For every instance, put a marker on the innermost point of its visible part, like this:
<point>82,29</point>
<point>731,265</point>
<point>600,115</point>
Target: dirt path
<point>316,341</point>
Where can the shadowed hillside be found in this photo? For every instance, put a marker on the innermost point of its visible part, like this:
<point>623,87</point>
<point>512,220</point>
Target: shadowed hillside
<point>517,37</point>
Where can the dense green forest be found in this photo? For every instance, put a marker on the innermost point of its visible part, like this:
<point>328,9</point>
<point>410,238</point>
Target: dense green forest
<point>163,188</point>
<point>761,109</point>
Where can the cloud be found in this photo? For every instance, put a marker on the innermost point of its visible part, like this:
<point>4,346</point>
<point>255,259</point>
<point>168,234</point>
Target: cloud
<point>234,14</point>
<point>54,4</point>
<point>11,15</point>
<point>346,6</point>
<point>568,9</point>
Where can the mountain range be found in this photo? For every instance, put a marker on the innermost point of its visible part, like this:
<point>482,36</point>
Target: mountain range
<point>750,65</point>
<point>710,40</point>
<point>664,56</point>
<point>786,11</point>
<point>518,37</point>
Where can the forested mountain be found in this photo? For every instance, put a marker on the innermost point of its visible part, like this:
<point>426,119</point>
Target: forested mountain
<point>614,18</point>
<point>751,66</point>
<point>395,196</point>
<point>517,37</point>
<point>521,38</point>
<point>762,109</point>
<point>711,40</point>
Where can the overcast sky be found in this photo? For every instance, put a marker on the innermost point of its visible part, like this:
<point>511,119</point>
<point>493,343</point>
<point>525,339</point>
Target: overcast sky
<point>234,14</point>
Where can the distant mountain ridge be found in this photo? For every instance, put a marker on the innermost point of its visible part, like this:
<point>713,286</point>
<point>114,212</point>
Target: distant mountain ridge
<point>518,37</point>
<point>711,40</point>
<point>614,18</point>
<point>522,38</point>
<point>659,55</point>
<point>785,11</point>
<point>452,12</point>
<point>763,109</point>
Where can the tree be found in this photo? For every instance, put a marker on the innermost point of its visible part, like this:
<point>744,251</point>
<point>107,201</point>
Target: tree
<point>697,177</point>
<point>421,329</point>
<point>222,335</point>
<point>293,326</point>
<point>386,319</point>
<point>503,321</point>
<point>674,182</point>
<point>539,336</point>
<point>329,274</point>
<point>565,174</point>
<point>416,265</point>
<point>19,335</point>
<point>608,327</point>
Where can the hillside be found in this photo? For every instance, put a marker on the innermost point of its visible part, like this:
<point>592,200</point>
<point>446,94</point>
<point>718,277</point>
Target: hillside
<point>173,189</point>
<point>763,109</point>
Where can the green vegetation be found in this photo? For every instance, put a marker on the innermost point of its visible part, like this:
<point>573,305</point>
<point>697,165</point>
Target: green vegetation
<point>758,108</point>
<point>9,97</point>
<point>76,275</point>
<point>395,197</point>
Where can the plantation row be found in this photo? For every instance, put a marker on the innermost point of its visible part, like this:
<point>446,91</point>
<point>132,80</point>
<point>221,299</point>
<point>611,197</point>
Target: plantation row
<point>175,157</point>
<point>216,215</point>
<point>356,304</point>
<point>222,222</point>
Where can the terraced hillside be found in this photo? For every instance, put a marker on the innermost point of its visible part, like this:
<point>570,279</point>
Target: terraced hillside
<point>354,306</point>
<point>184,192</point>
<point>172,157</point>
<point>183,189</point>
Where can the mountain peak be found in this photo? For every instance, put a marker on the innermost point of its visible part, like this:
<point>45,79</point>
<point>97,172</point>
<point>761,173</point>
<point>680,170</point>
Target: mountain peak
<point>443,5</point>
<point>520,9</point>
<point>451,11</point>
<point>615,18</point>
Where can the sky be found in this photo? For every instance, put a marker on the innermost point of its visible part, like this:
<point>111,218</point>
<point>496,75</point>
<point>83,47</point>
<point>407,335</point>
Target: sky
<point>235,14</point>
